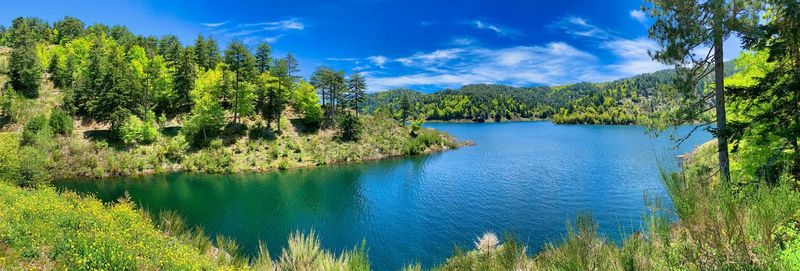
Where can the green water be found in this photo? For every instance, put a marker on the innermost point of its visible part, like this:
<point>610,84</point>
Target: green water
<point>526,177</point>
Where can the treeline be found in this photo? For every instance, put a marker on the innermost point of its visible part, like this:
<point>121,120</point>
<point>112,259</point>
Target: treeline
<point>129,82</point>
<point>625,101</point>
<point>475,102</point>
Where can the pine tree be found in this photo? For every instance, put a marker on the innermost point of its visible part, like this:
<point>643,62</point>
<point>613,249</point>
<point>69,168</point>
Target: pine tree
<point>357,86</point>
<point>25,70</point>
<point>185,75</point>
<point>263,57</point>
<point>68,29</point>
<point>243,65</point>
<point>684,26</point>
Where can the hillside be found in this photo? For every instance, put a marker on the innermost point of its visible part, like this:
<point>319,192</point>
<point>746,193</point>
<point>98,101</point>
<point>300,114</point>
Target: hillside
<point>624,101</point>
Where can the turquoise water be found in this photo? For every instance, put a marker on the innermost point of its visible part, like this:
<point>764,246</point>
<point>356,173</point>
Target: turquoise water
<point>528,178</point>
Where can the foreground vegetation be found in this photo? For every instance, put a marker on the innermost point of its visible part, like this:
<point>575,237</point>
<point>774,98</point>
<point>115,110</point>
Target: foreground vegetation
<point>41,229</point>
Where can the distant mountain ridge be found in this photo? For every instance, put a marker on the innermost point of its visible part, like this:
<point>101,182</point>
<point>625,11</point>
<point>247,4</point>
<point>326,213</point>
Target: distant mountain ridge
<point>622,101</point>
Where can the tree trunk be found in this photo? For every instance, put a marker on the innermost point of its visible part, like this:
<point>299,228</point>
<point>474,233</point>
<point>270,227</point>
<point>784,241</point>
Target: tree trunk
<point>275,108</point>
<point>719,84</point>
<point>236,100</point>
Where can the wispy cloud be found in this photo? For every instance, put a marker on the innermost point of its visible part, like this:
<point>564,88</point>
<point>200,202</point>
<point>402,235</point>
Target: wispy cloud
<point>638,15</point>
<point>432,59</point>
<point>462,41</point>
<point>499,30</point>
<point>552,63</point>
<point>379,61</point>
<point>341,59</point>
<point>255,32</point>
<point>426,23</point>
<point>273,39</point>
<point>578,26</point>
<point>212,25</point>
<point>290,24</point>
<point>633,57</point>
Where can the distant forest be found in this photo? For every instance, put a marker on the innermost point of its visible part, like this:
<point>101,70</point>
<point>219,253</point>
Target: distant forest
<point>625,101</point>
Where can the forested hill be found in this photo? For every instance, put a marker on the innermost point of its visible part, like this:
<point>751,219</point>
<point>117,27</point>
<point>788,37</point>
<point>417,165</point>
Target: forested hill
<point>624,101</point>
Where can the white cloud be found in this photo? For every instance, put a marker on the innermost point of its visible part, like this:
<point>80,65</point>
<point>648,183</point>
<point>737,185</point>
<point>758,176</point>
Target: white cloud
<point>462,41</point>
<point>212,25</point>
<point>341,59</point>
<point>638,15</point>
<point>553,63</point>
<point>501,31</point>
<point>432,58</point>
<point>272,39</point>
<point>578,26</point>
<point>290,24</point>
<point>379,61</point>
<point>633,56</point>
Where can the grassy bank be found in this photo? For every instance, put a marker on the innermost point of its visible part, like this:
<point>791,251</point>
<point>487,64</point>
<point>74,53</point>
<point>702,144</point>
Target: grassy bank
<point>41,229</point>
<point>95,154</point>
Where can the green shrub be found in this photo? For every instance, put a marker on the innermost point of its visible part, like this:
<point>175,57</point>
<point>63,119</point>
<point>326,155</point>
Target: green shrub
<point>136,131</point>
<point>424,140</point>
<point>35,129</point>
<point>349,127</point>
<point>61,122</point>
<point>9,157</point>
<point>33,168</point>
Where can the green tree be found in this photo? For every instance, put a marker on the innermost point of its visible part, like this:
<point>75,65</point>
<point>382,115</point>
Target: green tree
<point>25,70</point>
<point>263,57</point>
<point>682,27</point>
<point>170,48</point>
<point>106,89</point>
<point>306,101</point>
<point>206,52</point>
<point>357,86</point>
<point>183,82</point>
<point>28,31</point>
<point>122,35</point>
<point>207,116</point>
<point>158,94</point>
<point>349,127</point>
<point>277,96</point>
<point>61,122</point>
<point>68,29</point>
<point>99,29</point>
<point>766,91</point>
<point>266,84</point>
<point>243,65</point>
<point>405,108</point>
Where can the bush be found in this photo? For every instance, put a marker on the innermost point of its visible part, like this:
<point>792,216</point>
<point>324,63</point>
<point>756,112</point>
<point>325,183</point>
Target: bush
<point>136,131</point>
<point>36,130</point>
<point>33,167</point>
<point>312,118</point>
<point>349,127</point>
<point>61,122</point>
<point>423,140</point>
<point>9,157</point>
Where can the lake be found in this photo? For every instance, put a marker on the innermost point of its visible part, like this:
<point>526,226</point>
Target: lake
<point>528,178</point>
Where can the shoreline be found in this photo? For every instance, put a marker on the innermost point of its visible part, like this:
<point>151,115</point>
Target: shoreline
<point>179,169</point>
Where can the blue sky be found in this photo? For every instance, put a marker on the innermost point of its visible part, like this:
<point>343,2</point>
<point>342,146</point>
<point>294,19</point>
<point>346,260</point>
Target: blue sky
<point>423,45</point>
